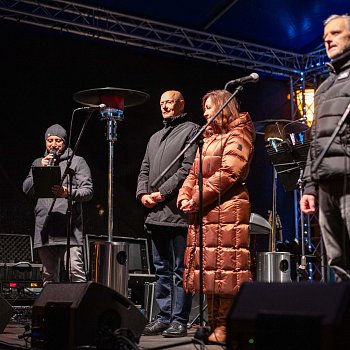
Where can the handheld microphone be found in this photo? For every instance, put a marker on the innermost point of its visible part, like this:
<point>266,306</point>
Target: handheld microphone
<point>92,108</point>
<point>252,78</point>
<point>54,152</point>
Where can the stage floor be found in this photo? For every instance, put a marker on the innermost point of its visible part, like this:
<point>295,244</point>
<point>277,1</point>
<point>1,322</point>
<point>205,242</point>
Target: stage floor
<point>9,340</point>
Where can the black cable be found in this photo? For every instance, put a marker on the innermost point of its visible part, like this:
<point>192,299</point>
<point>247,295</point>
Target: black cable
<point>121,339</point>
<point>345,240</point>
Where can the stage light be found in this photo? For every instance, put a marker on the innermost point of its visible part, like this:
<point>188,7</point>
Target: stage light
<point>305,103</point>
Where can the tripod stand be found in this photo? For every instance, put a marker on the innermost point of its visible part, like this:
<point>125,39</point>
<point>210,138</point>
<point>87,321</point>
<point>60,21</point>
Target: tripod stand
<point>198,315</point>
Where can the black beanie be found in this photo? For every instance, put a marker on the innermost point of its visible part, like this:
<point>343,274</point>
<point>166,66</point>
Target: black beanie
<point>56,130</point>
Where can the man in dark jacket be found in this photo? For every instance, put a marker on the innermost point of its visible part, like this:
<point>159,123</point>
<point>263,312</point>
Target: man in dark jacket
<point>331,179</point>
<point>51,232</point>
<point>167,224</point>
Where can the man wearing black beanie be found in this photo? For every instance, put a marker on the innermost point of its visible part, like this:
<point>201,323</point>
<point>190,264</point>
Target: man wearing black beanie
<point>51,234</point>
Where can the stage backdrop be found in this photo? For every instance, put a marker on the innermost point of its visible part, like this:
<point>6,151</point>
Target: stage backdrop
<point>40,73</point>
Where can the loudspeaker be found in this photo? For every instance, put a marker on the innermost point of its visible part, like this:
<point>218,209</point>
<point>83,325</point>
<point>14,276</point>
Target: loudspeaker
<point>72,315</point>
<point>303,316</point>
<point>6,312</point>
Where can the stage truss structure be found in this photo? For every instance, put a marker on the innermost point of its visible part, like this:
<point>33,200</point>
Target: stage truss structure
<point>103,24</point>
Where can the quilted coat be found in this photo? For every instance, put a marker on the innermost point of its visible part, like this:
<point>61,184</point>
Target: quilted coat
<point>226,211</point>
<point>331,100</point>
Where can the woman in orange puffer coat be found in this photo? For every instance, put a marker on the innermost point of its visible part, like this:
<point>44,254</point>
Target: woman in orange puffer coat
<point>227,153</point>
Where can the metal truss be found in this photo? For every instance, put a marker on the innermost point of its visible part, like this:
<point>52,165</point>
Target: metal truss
<point>316,265</point>
<point>305,224</point>
<point>102,24</point>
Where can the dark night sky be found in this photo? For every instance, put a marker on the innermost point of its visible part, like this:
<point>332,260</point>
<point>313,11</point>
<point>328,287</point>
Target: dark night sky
<point>40,72</point>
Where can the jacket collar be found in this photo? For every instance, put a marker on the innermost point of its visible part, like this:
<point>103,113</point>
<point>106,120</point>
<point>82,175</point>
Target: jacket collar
<point>340,63</point>
<point>175,120</point>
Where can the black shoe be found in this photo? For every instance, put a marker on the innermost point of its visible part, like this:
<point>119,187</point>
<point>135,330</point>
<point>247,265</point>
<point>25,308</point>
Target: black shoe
<point>175,330</point>
<point>155,328</point>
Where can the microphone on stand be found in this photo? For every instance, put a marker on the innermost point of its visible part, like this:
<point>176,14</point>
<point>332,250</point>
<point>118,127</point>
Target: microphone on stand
<point>92,108</point>
<point>252,78</point>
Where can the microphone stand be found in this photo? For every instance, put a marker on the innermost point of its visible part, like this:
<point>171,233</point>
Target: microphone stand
<point>303,263</point>
<point>201,333</point>
<point>70,172</point>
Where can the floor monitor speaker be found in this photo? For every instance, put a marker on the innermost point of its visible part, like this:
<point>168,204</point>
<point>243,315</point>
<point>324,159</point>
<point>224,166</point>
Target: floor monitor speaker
<point>303,316</point>
<point>6,312</point>
<point>74,315</point>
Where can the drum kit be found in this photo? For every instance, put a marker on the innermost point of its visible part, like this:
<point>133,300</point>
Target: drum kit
<point>287,145</point>
<point>281,129</point>
<point>109,266</point>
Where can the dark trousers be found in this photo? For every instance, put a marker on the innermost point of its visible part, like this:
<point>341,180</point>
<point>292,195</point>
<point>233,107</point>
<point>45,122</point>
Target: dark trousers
<point>334,217</point>
<point>168,248</point>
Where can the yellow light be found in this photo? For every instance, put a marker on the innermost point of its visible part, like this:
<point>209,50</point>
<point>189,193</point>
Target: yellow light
<point>306,111</point>
<point>100,210</point>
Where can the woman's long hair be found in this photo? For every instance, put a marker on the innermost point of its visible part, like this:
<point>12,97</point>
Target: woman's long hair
<point>222,123</point>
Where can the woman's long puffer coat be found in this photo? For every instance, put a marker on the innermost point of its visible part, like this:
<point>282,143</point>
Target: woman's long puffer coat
<point>226,211</point>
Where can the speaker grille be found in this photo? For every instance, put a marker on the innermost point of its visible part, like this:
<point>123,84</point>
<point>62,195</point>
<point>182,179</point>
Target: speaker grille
<point>15,248</point>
